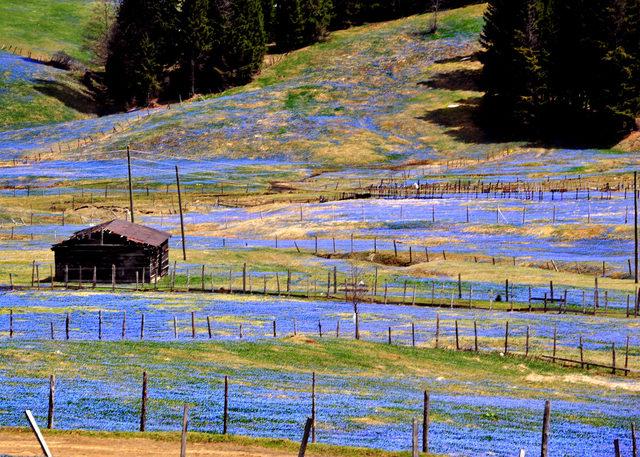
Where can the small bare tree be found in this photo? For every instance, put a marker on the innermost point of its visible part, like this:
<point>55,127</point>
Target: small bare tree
<point>435,11</point>
<point>98,30</point>
<point>355,292</point>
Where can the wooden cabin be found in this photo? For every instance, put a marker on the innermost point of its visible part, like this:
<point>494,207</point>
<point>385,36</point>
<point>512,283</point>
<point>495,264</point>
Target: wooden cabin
<point>117,250</point>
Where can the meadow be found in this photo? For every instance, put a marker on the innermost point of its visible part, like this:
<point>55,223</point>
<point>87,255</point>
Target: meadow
<point>355,156</point>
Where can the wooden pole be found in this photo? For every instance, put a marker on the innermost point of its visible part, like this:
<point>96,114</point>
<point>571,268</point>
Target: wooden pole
<point>414,439</point>
<point>313,407</point>
<point>185,425</point>
<point>544,448</point>
<point>143,407</point>
<point>225,414</point>
<point>413,334</point>
<point>457,339</point>
<point>634,444</point>
<point>52,398</point>
<point>506,338</point>
<point>475,335</point>
<point>635,225</point>
<point>616,447</point>
<point>184,249</point>
<point>130,186</point>
<point>305,437</point>
<point>425,422</point>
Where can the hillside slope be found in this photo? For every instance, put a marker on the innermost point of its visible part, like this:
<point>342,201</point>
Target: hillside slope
<point>45,26</point>
<point>369,94</point>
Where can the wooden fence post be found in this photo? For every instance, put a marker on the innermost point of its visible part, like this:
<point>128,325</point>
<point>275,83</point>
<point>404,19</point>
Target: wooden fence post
<point>437,330</point>
<point>634,444</point>
<point>413,334</point>
<point>67,324</point>
<point>616,447</point>
<point>457,338</point>
<point>425,422</point>
<point>142,326</point>
<point>544,448</point>
<point>475,335</point>
<point>313,407</point>
<point>526,343</point>
<point>99,324</point>
<point>185,425</point>
<point>414,438</point>
<point>225,413</point>
<point>52,398</point>
<point>305,437</point>
<point>143,406</point>
<point>506,338</point>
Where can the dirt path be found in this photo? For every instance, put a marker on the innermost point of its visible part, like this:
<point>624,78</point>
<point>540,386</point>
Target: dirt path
<point>23,444</point>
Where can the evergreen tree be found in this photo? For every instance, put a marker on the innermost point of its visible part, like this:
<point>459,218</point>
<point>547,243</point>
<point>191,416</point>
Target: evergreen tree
<point>239,41</point>
<point>197,40</point>
<point>143,45</point>
<point>317,16</point>
<point>268,14</point>
<point>509,60</point>
<point>290,28</point>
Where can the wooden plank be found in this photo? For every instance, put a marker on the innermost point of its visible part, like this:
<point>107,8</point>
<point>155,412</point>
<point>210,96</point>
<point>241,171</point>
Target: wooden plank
<point>36,430</point>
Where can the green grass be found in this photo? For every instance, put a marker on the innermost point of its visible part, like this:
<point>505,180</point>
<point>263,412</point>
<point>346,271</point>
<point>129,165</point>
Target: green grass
<point>45,26</point>
<point>24,106</point>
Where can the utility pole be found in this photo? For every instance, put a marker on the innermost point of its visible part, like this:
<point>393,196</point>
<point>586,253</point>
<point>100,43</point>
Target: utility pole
<point>184,249</point>
<point>130,186</point>
<point>635,223</point>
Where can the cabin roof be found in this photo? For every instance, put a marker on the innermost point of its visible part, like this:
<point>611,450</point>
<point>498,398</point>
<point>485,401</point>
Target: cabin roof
<point>133,232</point>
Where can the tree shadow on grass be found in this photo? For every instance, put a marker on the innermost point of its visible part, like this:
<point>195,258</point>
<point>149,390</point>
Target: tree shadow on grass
<point>71,97</point>
<point>462,79</point>
<point>460,122</point>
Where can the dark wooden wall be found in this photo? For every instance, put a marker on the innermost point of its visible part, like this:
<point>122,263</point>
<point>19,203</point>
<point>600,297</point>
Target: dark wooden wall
<point>80,256</point>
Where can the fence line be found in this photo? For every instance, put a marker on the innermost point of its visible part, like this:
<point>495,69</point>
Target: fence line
<point>270,329</point>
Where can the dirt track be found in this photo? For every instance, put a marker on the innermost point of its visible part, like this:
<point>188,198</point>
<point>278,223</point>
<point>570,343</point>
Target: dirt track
<point>22,444</point>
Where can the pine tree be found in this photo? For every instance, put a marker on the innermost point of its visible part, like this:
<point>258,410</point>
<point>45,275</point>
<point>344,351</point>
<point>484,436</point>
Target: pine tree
<point>290,28</point>
<point>142,46</point>
<point>239,41</point>
<point>197,39</point>
<point>317,16</point>
<point>508,59</point>
<point>268,14</point>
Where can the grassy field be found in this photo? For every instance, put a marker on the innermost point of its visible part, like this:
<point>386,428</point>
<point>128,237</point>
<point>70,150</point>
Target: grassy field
<point>267,171</point>
<point>269,385</point>
<point>44,26</point>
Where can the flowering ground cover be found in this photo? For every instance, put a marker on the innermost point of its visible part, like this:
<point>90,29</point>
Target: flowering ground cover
<point>366,393</point>
<point>27,94</point>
